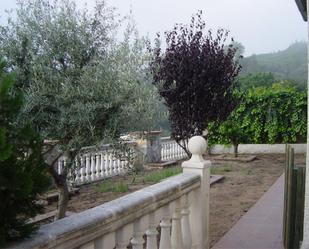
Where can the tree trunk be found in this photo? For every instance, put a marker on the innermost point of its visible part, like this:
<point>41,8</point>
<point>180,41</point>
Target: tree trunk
<point>63,200</point>
<point>51,157</point>
<point>62,186</point>
<point>235,150</point>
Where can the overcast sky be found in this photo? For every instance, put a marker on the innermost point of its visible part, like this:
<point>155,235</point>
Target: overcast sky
<point>260,25</point>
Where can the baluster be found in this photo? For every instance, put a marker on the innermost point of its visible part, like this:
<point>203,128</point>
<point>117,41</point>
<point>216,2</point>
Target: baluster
<point>107,241</point>
<point>107,165</point>
<point>98,165</point>
<point>102,166</point>
<point>182,153</point>
<point>88,169</point>
<point>179,152</point>
<point>111,163</point>
<point>115,163</point>
<point>176,237</point>
<point>60,167</point>
<point>122,166</point>
<point>165,224</point>
<point>119,166</point>
<point>174,151</point>
<point>64,164</point>
<point>76,179</point>
<point>137,241</point>
<point>122,237</point>
<point>93,164</point>
<point>116,169</point>
<point>152,233</point>
<point>164,152</point>
<point>125,163</point>
<point>185,223</point>
<point>120,240</point>
<point>170,151</point>
<point>89,245</point>
<point>82,169</point>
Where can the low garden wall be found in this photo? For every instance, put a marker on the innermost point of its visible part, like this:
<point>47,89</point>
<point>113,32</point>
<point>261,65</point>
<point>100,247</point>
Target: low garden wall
<point>257,149</point>
<point>179,205</point>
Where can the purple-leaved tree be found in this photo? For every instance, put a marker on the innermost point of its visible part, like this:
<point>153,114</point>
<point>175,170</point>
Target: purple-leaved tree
<point>195,75</point>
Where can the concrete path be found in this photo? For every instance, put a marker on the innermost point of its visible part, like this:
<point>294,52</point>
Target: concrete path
<point>261,226</point>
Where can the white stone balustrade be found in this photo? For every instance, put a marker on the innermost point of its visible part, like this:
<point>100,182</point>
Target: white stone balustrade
<point>170,150</point>
<point>97,164</point>
<point>178,205</point>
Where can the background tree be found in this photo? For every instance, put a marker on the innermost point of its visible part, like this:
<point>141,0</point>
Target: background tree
<point>253,80</point>
<point>145,112</point>
<point>194,76</point>
<point>228,132</point>
<point>240,49</point>
<point>288,64</point>
<point>66,63</point>
<point>23,172</point>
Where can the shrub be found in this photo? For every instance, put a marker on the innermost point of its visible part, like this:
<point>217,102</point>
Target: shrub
<point>22,168</point>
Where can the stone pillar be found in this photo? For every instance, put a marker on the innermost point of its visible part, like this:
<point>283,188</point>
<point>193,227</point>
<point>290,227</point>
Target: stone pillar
<point>199,212</point>
<point>153,147</point>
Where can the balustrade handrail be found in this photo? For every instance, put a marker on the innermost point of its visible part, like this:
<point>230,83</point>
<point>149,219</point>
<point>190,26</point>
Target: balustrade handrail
<point>166,138</point>
<point>79,229</point>
<point>94,148</point>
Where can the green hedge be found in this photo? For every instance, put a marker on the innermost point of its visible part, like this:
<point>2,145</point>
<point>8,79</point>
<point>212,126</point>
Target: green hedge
<point>276,114</point>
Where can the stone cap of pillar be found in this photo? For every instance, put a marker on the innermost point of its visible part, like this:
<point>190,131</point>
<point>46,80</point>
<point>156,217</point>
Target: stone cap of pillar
<point>197,145</point>
<point>153,133</point>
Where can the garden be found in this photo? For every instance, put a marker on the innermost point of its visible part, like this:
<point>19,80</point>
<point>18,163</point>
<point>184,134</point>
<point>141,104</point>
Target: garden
<point>69,87</point>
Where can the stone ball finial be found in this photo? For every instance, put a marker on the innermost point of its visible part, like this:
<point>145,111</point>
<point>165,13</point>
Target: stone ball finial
<point>197,145</point>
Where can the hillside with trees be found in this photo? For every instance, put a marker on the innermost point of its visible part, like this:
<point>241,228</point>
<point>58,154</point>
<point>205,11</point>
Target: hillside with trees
<point>289,64</point>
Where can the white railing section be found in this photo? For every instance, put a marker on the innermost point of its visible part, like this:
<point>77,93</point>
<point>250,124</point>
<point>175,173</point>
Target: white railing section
<point>170,150</point>
<point>179,206</point>
<point>94,164</point>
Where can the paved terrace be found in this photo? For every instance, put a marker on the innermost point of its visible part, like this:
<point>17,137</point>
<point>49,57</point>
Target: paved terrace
<point>261,226</point>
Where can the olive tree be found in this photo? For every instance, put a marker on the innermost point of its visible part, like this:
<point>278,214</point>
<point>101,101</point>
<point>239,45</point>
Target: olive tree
<point>145,111</point>
<point>194,75</point>
<point>66,64</point>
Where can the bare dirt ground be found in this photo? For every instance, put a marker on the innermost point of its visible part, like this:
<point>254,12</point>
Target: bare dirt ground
<point>243,185</point>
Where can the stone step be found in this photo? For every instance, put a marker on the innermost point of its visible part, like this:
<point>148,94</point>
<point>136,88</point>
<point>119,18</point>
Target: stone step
<point>43,217</point>
<point>161,165</point>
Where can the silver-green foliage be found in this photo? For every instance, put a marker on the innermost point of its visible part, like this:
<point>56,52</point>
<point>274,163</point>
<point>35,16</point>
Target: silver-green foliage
<point>63,63</point>
<point>79,83</point>
<point>145,112</point>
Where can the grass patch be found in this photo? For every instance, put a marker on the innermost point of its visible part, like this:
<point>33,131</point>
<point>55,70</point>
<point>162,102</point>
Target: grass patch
<point>156,176</point>
<point>217,170</point>
<point>116,187</point>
